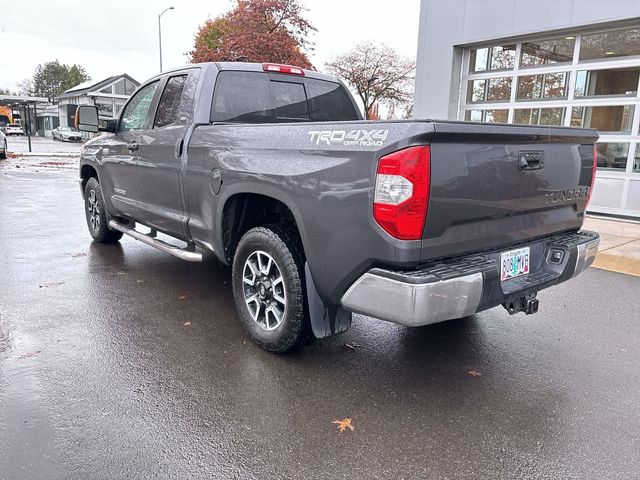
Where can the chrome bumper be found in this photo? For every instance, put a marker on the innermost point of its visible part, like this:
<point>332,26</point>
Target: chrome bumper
<point>586,255</point>
<point>414,299</point>
<point>414,304</point>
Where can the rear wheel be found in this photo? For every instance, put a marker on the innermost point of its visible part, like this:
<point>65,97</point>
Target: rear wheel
<point>3,155</point>
<point>268,288</point>
<point>96,214</point>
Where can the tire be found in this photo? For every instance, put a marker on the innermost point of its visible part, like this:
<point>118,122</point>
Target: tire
<point>96,214</point>
<point>272,311</point>
<point>3,155</point>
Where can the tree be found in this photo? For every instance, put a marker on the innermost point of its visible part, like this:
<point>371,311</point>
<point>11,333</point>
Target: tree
<point>52,78</point>
<point>25,87</point>
<point>256,31</point>
<point>377,73</point>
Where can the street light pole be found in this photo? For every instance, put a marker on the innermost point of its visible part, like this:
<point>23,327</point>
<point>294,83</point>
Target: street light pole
<point>160,34</point>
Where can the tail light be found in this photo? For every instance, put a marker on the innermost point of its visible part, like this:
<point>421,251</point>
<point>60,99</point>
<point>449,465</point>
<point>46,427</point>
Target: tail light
<point>593,175</point>
<point>275,68</point>
<point>402,192</point>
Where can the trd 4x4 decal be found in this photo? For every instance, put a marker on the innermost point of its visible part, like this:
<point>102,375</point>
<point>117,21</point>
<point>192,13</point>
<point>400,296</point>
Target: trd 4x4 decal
<point>361,138</point>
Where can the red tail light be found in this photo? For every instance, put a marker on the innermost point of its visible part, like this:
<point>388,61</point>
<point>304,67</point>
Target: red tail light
<point>402,192</point>
<point>593,175</point>
<point>290,69</point>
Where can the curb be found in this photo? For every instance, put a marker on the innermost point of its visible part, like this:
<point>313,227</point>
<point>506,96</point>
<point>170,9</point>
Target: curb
<point>615,263</point>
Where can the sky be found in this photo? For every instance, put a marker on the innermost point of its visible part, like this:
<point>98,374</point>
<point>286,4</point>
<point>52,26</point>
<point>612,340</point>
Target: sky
<point>113,37</point>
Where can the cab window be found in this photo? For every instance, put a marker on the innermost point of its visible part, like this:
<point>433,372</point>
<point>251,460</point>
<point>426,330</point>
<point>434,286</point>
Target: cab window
<point>136,112</point>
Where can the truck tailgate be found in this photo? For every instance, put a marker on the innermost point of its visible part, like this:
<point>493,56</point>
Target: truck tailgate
<point>493,186</point>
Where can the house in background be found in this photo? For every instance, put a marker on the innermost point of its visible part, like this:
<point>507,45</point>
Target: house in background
<point>47,120</point>
<point>109,95</point>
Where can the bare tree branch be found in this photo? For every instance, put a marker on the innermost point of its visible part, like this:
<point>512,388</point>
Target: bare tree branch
<point>377,73</point>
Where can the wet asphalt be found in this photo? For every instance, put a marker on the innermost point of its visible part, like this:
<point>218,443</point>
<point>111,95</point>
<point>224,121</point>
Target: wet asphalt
<point>123,362</point>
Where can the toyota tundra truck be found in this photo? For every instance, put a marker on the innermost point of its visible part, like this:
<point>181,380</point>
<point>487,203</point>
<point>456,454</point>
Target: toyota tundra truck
<point>321,214</point>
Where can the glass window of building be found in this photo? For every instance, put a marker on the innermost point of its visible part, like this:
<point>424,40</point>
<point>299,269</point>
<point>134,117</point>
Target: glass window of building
<point>536,87</point>
<point>611,81</point>
<point>489,116</point>
<point>543,52</point>
<point>492,58</point>
<point>105,107</point>
<point>539,116</point>
<point>489,90</point>
<point>609,119</point>
<point>624,42</point>
<point>612,155</point>
<point>636,159</point>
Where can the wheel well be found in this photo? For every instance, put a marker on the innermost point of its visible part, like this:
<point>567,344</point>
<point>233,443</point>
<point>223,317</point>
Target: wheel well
<point>87,172</point>
<point>244,211</point>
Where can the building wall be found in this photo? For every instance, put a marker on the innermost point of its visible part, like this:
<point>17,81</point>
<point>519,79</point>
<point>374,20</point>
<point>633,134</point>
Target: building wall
<point>447,24</point>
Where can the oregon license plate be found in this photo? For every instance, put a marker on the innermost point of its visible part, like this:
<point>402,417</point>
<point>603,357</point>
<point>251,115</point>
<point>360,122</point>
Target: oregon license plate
<point>514,263</point>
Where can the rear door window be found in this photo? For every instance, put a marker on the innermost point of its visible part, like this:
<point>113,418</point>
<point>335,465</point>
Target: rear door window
<point>254,97</point>
<point>168,112</point>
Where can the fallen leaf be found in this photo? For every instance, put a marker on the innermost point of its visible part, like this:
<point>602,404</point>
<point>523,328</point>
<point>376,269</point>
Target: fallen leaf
<point>186,324</point>
<point>29,354</point>
<point>182,297</point>
<point>51,284</point>
<point>475,373</point>
<point>344,424</point>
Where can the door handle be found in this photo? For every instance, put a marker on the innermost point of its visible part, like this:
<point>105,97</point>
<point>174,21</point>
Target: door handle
<point>133,146</point>
<point>179,145</point>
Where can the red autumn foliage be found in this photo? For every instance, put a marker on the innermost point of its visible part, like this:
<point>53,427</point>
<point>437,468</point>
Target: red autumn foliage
<point>256,31</point>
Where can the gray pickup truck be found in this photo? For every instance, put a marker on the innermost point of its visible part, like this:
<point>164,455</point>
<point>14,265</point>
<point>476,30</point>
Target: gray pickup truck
<point>321,214</point>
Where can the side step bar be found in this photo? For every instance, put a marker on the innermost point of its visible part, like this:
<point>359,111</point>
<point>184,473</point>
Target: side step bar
<point>181,253</point>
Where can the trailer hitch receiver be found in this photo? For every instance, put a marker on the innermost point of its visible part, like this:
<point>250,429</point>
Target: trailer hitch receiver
<point>527,304</point>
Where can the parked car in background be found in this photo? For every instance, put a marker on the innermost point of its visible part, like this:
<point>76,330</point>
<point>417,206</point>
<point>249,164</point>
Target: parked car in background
<point>67,134</point>
<point>14,129</point>
<point>3,146</point>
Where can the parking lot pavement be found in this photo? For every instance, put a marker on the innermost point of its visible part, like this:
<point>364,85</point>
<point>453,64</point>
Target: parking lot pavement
<point>122,362</point>
<point>20,144</point>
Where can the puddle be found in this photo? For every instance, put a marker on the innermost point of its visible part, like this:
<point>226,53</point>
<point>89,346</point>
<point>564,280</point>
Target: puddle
<point>27,442</point>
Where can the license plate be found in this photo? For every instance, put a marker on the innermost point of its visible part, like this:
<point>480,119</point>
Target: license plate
<point>514,263</point>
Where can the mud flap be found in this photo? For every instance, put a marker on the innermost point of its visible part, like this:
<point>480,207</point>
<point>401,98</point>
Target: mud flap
<point>325,320</point>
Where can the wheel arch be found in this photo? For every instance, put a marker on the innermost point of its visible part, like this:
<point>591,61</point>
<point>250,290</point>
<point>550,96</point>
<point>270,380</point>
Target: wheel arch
<point>87,171</point>
<point>243,210</point>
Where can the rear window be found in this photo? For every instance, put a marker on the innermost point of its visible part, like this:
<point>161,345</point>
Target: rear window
<point>253,97</point>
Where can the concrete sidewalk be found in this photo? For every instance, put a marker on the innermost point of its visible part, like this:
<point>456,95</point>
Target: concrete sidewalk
<point>619,244</point>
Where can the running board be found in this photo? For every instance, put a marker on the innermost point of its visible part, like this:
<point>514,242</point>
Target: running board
<point>181,253</point>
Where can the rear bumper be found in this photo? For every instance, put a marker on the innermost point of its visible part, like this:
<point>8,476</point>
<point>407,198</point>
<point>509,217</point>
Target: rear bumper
<point>462,286</point>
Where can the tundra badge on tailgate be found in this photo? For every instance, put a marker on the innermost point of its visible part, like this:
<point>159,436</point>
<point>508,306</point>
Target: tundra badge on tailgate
<point>361,138</point>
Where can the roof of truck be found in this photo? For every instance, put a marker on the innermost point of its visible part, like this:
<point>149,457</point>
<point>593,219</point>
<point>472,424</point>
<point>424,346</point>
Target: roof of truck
<point>248,67</point>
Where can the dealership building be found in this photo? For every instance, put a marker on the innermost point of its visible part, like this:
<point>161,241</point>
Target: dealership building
<point>543,62</point>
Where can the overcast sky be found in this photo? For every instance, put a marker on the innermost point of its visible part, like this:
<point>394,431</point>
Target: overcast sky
<point>113,37</point>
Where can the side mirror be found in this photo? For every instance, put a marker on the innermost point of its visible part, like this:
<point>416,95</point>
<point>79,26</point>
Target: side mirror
<point>87,118</point>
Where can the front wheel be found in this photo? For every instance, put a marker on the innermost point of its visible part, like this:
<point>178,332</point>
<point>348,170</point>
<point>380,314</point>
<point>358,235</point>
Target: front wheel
<point>268,288</point>
<point>97,215</point>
